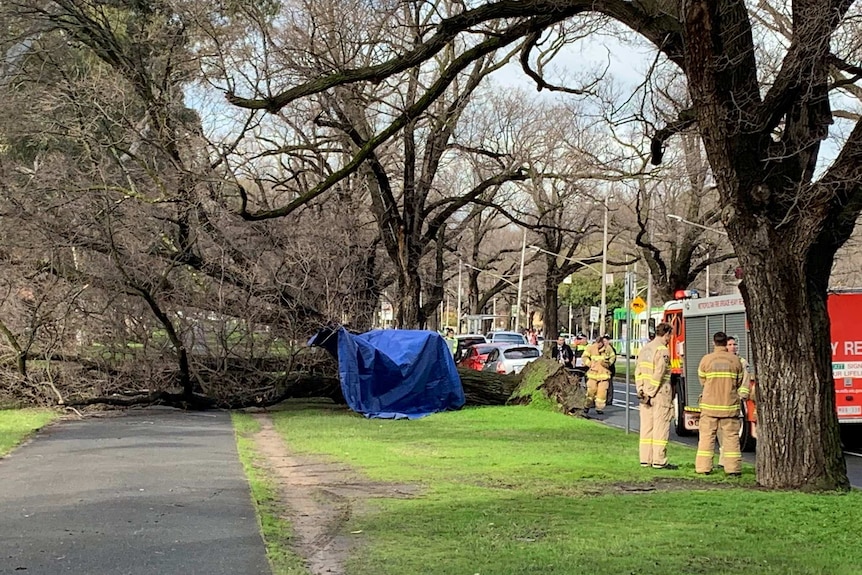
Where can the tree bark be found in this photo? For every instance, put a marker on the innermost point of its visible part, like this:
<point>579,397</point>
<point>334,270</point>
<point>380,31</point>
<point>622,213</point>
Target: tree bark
<point>551,323</point>
<point>409,312</point>
<point>775,218</point>
<point>795,387</point>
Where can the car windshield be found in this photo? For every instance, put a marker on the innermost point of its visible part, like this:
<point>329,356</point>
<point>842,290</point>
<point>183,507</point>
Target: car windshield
<point>514,337</point>
<point>521,353</point>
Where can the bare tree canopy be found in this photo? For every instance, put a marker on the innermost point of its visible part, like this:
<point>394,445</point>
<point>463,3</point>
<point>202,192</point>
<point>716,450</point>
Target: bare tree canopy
<point>762,133</point>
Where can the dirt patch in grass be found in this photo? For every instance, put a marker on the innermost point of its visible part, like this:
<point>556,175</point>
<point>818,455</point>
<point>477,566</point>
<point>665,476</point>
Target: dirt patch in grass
<point>662,484</point>
<point>320,497</point>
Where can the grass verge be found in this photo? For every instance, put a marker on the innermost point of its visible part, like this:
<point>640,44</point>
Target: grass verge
<point>16,425</point>
<point>517,490</point>
<point>275,529</point>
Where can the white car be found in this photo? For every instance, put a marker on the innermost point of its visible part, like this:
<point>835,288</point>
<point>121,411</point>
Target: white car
<point>506,337</point>
<point>511,357</point>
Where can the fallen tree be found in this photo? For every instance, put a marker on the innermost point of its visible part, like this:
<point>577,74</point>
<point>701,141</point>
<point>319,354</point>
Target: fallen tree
<point>234,385</point>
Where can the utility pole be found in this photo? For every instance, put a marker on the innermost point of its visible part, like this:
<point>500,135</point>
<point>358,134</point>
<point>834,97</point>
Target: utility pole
<point>521,283</point>
<point>604,306</point>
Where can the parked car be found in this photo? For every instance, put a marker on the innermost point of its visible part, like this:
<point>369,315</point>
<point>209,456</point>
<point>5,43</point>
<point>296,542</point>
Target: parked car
<point>506,337</point>
<point>511,358</point>
<point>476,355</point>
<point>465,340</point>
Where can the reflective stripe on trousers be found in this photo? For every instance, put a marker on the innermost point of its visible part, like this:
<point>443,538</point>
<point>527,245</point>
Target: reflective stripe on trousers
<point>597,393</point>
<point>728,429</point>
<point>654,430</point>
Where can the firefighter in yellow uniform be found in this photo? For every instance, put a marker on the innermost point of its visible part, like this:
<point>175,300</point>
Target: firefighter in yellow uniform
<point>598,358</point>
<point>652,380</point>
<point>722,377</point>
<point>747,389</point>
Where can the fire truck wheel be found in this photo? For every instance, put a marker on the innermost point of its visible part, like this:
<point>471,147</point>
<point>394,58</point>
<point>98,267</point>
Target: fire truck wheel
<point>746,441</point>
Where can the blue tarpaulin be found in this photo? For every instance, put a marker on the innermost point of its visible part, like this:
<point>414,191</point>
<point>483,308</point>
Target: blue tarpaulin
<point>394,373</point>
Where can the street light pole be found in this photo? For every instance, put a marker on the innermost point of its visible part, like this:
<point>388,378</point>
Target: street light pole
<point>521,282</point>
<point>604,304</point>
<point>695,224</point>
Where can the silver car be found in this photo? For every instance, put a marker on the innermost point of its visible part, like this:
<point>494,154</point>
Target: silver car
<point>511,357</point>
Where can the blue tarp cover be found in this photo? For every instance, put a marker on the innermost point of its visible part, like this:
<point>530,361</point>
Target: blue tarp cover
<point>394,373</point>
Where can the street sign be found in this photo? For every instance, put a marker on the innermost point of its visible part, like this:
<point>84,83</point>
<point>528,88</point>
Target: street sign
<point>638,304</point>
<point>594,314</point>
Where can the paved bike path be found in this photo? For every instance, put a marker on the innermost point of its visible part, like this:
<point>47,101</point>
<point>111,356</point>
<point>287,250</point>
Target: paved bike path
<point>154,491</point>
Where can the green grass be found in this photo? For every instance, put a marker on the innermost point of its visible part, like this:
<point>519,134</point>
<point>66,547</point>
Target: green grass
<point>16,425</point>
<point>275,529</point>
<point>518,490</point>
<point>622,368</point>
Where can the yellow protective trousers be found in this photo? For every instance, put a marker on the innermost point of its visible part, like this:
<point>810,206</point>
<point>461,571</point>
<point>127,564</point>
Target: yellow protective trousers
<point>597,393</point>
<point>654,431</point>
<point>728,429</point>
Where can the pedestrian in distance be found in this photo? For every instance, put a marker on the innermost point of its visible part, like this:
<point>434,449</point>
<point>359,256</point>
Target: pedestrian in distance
<point>563,353</point>
<point>598,357</point>
<point>451,341</point>
<point>652,381</point>
<point>722,377</point>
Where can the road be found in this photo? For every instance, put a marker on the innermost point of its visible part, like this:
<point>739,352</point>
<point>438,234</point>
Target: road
<point>616,416</point>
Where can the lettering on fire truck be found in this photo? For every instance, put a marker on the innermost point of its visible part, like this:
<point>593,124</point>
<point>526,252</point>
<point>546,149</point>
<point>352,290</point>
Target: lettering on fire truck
<point>848,347</point>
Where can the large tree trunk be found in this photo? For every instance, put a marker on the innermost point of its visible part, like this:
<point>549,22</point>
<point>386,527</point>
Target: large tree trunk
<point>795,389</point>
<point>550,321</point>
<point>409,312</point>
<point>775,217</point>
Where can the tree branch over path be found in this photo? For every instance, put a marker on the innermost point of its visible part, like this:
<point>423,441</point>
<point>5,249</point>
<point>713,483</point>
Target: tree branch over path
<point>647,17</point>
<point>436,90</point>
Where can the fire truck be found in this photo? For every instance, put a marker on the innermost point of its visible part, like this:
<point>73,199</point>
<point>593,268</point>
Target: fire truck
<point>694,321</point>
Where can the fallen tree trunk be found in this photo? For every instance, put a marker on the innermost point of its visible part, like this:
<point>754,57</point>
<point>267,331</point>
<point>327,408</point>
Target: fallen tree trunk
<point>546,380</point>
<point>542,379</point>
<point>487,387</point>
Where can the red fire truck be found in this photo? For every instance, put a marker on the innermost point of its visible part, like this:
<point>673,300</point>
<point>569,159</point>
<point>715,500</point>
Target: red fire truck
<point>695,320</point>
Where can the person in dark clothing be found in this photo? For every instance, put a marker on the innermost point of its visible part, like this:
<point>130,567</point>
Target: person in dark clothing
<point>563,353</point>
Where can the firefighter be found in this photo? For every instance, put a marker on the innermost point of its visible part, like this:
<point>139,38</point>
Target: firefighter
<point>744,391</point>
<point>652,381</point>
<point>580,345</point>
<point>722,378</point>
<point>733,347</point>
<point>613,368</point>
<point>598,358</point>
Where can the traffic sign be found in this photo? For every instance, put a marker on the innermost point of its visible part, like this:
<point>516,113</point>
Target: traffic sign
<point>638,304</point>
<point>594,314</point>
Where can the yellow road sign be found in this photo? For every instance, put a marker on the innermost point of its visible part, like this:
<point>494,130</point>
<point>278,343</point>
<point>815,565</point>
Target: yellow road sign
<point>638,304</point>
